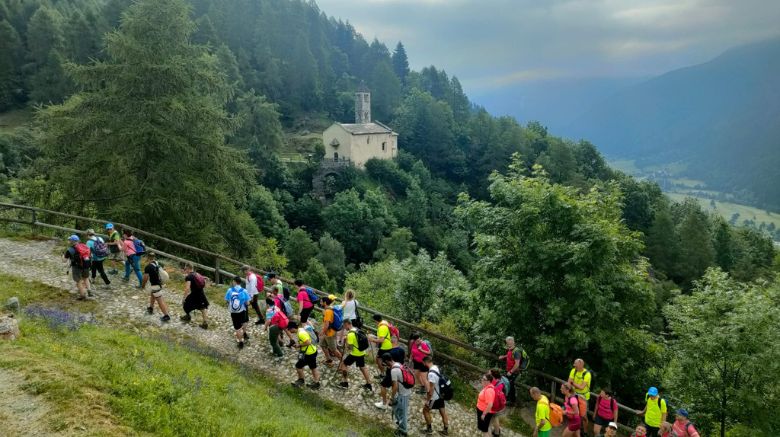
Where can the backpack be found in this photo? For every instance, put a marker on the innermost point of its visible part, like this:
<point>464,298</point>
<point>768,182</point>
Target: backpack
<point>284,322</point>
<point>140,247</point>
<point>200,280</point>
<point>407,376</point>
<point>446,391</point>
<point>583,406</point>
<point>83,255</point>
<point>556,415</point>
<point>430,347</point>
<point>313,298</point>
<point>286,292</point>
<point>525,360</point>
<point>500,401</point>
<point>164,277</point>
<point>394,332</point>
<point>338,318</point>
<point>362,340</point>
<point>288,309</point>
<point>504,381</point>
<point>99,248</point>
<point>234,304</point>
<point>315,338</point>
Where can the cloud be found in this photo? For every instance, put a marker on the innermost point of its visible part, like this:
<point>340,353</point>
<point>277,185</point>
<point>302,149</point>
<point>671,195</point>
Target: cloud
<point>494,43</point>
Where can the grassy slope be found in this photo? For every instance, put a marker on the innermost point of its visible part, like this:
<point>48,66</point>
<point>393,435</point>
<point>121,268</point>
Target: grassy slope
<point>727,209</point>
<point>12,119</point>
<point>109,381</point>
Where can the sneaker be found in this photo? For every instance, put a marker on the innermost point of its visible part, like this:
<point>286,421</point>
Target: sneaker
<point>427,431</point>
<point>149,310</point>
<point>344,385</point>
<point>240,344</point>
<point>126,279</point>
<point>185,318</point>
<point>314,385</point>
<point>113,272</point>
<point>204,325</point>
<point>446,432</point>
<point>368,387</point>
<point>165,318</point>
<point>380,405</point>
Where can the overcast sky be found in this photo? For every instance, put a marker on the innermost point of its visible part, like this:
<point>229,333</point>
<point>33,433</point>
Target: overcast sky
<point>492,44</point>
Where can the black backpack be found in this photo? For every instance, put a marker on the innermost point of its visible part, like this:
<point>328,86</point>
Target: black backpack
<point>362,340</point>
<point>445,389</point>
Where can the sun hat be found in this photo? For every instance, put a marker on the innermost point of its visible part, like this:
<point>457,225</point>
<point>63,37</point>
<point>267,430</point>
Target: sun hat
<point>90,231</point>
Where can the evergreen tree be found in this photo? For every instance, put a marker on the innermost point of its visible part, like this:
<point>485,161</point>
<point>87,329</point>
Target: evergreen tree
<point>385,91</point>
<point>151,118</point>
<point>400,62</point>
<point>47,81</point>
<point>696,251</point>
<point>10,62</point>
<point>299,249</point>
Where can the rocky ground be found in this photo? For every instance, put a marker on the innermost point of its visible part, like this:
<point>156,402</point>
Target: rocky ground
<point>125,305</point>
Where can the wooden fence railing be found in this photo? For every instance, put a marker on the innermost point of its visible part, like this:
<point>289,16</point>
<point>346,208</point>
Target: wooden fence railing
<point>218,270</point>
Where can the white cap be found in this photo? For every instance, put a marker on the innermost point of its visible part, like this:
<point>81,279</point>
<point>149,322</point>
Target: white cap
<point>612,425</point>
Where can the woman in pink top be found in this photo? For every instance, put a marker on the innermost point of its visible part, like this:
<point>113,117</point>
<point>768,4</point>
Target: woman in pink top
<point>572,411</point>
<point>133,260</point>
<point>418,349</point>
<point>606,410</point>
<point>305,306</point>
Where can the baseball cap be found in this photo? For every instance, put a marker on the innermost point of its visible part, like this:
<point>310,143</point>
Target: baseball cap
<point>682,412</point>
<point>73,237</point>
<point>109,226</point>
<point>612,425</point>
<point>90,231</point>
<point>332,297</point>
<point>652,391</point>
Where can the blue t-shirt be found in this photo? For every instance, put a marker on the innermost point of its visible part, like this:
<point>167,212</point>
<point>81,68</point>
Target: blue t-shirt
<point>91,245</point>
<point>237,299</point>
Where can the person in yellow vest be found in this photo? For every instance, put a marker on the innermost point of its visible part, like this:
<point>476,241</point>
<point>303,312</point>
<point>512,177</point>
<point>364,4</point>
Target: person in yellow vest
<point>306,357</point>
<point>654,411</point>
<point>543,425</point>
<point>580,379</point>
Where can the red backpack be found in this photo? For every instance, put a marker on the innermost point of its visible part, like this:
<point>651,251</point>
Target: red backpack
<point>499,403</point>
<point>83,253</point>
<point>394,332</point>
<point>407,376</point>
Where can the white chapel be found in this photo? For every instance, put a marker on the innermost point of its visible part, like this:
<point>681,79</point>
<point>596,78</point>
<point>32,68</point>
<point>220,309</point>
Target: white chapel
<point>354,144</point>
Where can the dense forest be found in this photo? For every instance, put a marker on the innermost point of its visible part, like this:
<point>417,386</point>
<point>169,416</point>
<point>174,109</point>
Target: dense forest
<point>173,116</point>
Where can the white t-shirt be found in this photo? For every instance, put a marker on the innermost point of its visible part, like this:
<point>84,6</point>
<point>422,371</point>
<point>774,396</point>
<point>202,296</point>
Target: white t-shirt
<point>433,378</point>
<point>350,309</point>
<point>397,375</point>
<point>251,284</point>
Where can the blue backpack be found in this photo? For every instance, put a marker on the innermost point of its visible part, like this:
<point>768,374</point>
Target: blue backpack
<point>313,298</point>
<point>338,318</point>
<point>140,247</point>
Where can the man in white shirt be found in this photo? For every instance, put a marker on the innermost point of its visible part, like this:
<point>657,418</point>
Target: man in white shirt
<point>251,289</point>
<point>433,400</point>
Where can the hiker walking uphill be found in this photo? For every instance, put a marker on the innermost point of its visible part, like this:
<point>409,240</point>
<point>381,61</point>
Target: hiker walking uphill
<point>419,349</point>
<point>605,411</point>
<point>153,275</point>
<point>516,361</point>
<point>116,252</point>
<point>134,248</point>
<point>331,323</point>
<point>194,295</point>
<point>237,298</point>
<point>402,382</point>
<point>307,356</point>
<point>383,338</point>
<point>654,411</point>
<point>434,398</point>
<point>99,250</point>
<point>355,347</point>
<point>253,287</point>
<point>349,309</point>
<point>485,400</point>
<point>79,255</point>
<point>501,384</point>
<point>572,411</point>
<point>276,324</point>
<point>682,426</point>
<point>542,414</point>
<point>306,299</point>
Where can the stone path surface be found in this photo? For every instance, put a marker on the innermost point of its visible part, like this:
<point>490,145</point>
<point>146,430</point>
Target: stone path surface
<point>37,260</point>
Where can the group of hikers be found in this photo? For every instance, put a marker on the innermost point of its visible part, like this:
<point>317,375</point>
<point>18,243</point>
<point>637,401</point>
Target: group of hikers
<point>344,343</point>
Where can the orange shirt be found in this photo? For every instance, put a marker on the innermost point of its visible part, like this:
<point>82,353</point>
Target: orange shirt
<point>328,316</point>
<point>486,396</point>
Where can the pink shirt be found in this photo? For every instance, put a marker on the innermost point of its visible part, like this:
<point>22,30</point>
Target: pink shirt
<point>303,299</point>
<point>680,429</point>
<point>129,246</point>
<point>419,351</point>
<point>604,408</point>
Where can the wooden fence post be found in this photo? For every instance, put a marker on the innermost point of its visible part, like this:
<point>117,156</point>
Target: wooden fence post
<point>216,271</point>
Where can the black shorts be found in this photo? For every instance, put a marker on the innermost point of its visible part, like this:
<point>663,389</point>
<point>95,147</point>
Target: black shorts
<point>438,404</point>
<point>195,302</point>
<point>419,366</point>
<point>305,314</point>
<point>307,360</point>
<point>483,425</point>
<point>239,319</point>
<point>387,381</point>
<point>359,362</point>
<point>601,421</point>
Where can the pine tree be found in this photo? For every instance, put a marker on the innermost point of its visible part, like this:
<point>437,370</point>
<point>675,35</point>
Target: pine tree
<point>10,59</point>
<point>151,119</point>
<point>46,80</point>
<point>400,62</point>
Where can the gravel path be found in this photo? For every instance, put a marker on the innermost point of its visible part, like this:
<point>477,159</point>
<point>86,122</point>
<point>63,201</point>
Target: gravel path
<point>37,260</point>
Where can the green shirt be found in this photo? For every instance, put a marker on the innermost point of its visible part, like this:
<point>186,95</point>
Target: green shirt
<point>352,341</point>
<point>579,378</point>
<point>654,411</point>
<point>543,413</point>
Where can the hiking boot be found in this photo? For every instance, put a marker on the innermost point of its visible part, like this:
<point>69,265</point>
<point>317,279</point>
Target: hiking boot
<point>185,318</point>
<point>127,279</point>
<point>299,383</point>
<point>149,310</point>
<point>204,325</point>
<point>380,405</point>
<point>240,344</point>
<point>166,318</point>
<point>446,432</point>
<point>368,387</point>
<point>427,430</point>
<point>314,385</point>
<point>343,385</point>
